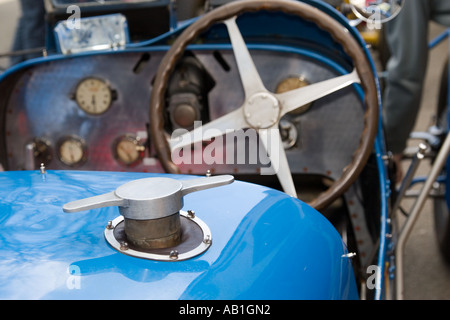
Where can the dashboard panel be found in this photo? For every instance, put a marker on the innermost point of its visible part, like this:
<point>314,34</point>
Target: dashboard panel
<point>92,112</point>
<point>86,113</point>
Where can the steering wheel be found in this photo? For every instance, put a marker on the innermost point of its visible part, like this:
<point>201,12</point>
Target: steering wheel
<point>262,110</point>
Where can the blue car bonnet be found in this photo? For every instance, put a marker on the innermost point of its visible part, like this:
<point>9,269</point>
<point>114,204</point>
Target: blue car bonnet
<point>265,245</point>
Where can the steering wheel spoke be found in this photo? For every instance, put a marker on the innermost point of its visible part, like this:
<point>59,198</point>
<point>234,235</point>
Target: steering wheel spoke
<point>251,81</point>
<point>273,144</point>
<point>218,127</point>
<point>292,100</point>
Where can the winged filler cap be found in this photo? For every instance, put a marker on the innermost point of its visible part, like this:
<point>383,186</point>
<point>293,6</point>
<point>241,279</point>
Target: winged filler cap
<point>150,207</point>
<point>149,198</point>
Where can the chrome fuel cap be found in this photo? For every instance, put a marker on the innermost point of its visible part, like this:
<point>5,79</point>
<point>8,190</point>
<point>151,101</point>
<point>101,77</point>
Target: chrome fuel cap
<point>150,225</point>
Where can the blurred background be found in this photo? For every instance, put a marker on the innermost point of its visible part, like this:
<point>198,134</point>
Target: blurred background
<point>9,14</point>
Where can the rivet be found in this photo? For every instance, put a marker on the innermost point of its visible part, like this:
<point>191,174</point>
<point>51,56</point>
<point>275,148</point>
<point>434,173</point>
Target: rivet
<point>191,214</point>
<point>123,246</point>
<point>109,225</point>
<point>173,255</point>
<point>207,240</point>
<point>42,168</point>
<point>208,173</point>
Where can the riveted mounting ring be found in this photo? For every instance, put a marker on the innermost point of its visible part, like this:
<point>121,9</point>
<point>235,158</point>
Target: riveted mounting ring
<point>196,239</point>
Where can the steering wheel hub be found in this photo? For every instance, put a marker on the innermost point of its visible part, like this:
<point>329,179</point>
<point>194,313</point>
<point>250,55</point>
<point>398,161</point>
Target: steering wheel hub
<point>262,110</point>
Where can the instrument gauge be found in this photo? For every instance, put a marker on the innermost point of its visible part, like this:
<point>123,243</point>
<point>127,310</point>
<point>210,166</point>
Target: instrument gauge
<point>72,151</point>
<point>128,150</point>
<point>291,83</point>
<point>93,95</point>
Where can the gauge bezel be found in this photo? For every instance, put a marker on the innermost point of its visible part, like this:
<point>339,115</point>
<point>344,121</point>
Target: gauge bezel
<point>87,110</point>
<point>302,79</point>
<point>83,147</point>
<point>138,144</point>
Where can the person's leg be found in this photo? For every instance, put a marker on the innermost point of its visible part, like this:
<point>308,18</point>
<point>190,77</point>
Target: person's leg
<point>30,33</point>
<point>407,37</point>
<point>440,12</point>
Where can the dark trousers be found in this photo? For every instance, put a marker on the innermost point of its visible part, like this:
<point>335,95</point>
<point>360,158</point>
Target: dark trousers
<point>30,32</point>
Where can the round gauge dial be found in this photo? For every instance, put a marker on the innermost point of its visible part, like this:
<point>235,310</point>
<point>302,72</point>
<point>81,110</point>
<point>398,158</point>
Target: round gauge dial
<point>93,96</point>
<point>128,150</point>
<point>72,151</point>
<point>291,83</point>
